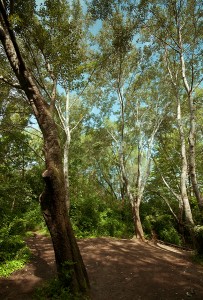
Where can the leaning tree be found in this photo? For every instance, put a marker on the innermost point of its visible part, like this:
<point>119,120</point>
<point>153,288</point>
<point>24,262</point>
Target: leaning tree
<point>70,267</point>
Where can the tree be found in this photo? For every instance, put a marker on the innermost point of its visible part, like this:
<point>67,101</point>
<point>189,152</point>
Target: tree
<point>136,110</point>
<point>183,152</point>
<point>70,266</point>
<point>168,25</point>
<point>64,27</point>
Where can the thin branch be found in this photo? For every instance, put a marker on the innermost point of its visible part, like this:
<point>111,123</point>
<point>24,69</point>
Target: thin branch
<point>166,43</point>
<point>77,123</point>
<point>113,137</point>
<point>167,185</point>
<point>168,204</point>
<point>61,117</point>
<point>14,85</point>
<point>169,69</point>
<point>198,83</point>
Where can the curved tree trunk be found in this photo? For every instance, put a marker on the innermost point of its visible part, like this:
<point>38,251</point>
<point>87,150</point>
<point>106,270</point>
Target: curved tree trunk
<point>70,266</point>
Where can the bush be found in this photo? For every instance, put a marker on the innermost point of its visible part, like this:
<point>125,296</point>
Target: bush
<point>163,226</point>
<point>33,219</point>
<point>93,217</point>
<point>147,226</point>
<point>170,235</point>
<point>13,252</point>
<point>198,232</point>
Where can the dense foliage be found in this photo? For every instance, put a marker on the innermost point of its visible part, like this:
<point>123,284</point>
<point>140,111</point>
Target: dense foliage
<point>127,126</point>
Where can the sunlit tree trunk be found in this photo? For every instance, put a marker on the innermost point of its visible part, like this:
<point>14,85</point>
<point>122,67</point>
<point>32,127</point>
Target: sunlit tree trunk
<point>184,170</point>
<point>136,220</point>
<point>183,199</point>
<point>192,133</point>
<point>66,149</point>
<point>135,205</point>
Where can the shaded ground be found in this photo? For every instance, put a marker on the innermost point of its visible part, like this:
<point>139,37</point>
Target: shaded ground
<point>118,269</point>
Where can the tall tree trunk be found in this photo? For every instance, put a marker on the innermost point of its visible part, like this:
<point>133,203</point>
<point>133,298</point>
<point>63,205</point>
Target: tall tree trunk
<point>192,155</point>
<point>66,149</point>
<point>184,173</point>
<point>184,169</point>
<point>134,201</point>
<point>183,199</point>
<point>70,266</point>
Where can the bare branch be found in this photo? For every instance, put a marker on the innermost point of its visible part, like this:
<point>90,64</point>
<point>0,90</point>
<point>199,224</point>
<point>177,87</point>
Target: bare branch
<point>169,69</point>
<point>167,185</point>
<point>13,84</point>
<point>113,137</point>
<point>61,117</point>
<point>77,123</point>
<point>198,83</point>
<point>169,206</point>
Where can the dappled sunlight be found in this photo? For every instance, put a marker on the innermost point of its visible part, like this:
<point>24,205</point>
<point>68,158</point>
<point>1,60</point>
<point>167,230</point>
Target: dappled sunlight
<point>130,267</point>
<point>117,269</point>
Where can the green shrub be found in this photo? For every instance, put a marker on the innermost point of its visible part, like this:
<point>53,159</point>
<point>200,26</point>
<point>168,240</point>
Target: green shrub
<point>94,217</point>
<point>33,219</point>
<point>14,254</point>
<point>21,258</point>
<point>13,251</point>
<point>147,225</point>
<point>198,232</point>
<point>170,235</point>
<point>163,226</point>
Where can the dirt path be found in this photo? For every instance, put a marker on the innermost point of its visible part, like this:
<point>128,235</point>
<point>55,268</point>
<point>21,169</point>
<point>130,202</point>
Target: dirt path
<point>118,269</point>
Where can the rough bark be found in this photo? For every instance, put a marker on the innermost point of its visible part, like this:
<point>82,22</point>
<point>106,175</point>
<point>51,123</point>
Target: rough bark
<point>70,266</point>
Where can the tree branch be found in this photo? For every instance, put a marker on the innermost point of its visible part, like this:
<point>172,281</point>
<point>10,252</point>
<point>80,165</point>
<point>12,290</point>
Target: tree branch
<point>14,85</point>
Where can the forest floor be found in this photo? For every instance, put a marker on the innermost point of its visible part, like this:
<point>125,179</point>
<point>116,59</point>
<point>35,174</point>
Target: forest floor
<point>117,269</point>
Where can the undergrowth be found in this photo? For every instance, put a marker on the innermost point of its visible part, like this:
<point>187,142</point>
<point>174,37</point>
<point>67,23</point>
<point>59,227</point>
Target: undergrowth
<point>52,289</point>
<point>14,253</point>
<point>14,259</point>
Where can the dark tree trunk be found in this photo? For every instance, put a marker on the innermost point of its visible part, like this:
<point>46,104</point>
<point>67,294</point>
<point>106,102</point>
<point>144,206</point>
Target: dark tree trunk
<point>70,266</point>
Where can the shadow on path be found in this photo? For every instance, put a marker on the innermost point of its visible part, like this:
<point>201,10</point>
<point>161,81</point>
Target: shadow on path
<point>131,270</point>
<point>118,269</point>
